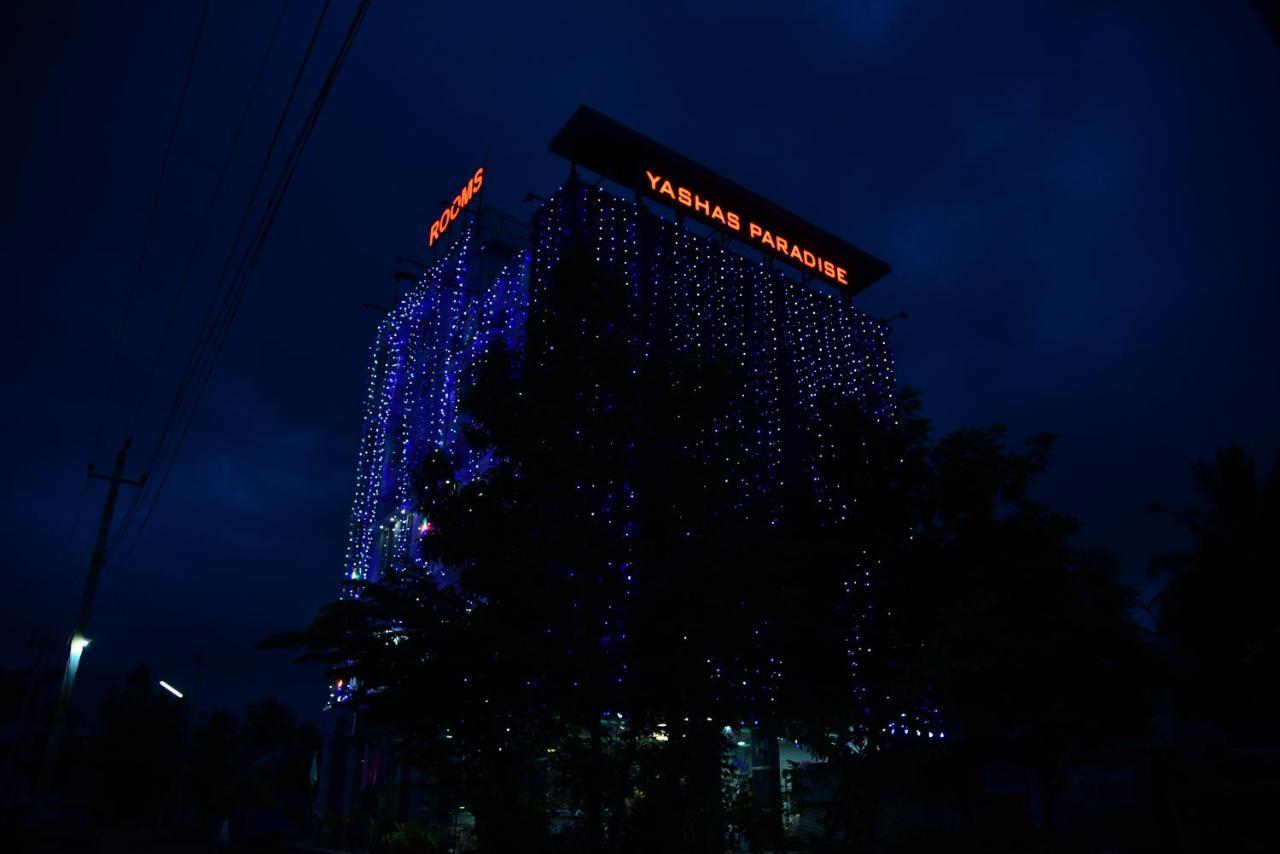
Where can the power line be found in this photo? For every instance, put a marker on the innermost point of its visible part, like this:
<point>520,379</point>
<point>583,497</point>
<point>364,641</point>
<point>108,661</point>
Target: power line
<point>226,163</point>
<point>204,222</point>
<point>71,530</point>
<point>249,260</point>
<point>146,235</point>
<point>252,254</point>
<point>194,358</point>
<point>200,349</point>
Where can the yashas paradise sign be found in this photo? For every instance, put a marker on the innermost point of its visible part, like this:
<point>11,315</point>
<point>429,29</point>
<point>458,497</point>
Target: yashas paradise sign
<point>603,145</point>
<point>753,231</point>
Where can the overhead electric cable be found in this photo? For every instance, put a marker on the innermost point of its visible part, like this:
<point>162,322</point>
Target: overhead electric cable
<point>208,323</point>
<point>132,510</point>
<point>249,261</point>
<point>209,319</point>
<point>204,221</point>
<point>146,235</point>
<point>61,563</point>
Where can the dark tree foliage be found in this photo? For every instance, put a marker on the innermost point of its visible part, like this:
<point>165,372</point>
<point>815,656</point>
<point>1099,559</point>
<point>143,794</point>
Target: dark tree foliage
<point>137,769</point>
<point>605,563</point>
<point>1216,619</point>
<point>254,770</point>
<point>216,754</point>
<point>134,761</point>
<point>581,575</point>
<point>978,606</point>
<point>1218,606</point>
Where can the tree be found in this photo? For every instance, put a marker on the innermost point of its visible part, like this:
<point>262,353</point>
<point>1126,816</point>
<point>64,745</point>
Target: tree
<point>983,624</point>
<point>136,754</point>
<point>1216,618</point>
<point>254,770</point>
<point>215,765</point>
<point>1218,604</point>
<point>597,596</point>
<point>603,562</point>
<point>572,577</point>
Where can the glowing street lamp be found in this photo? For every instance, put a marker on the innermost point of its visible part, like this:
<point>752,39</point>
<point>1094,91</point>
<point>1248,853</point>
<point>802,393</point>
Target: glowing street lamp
<point>54,739</point>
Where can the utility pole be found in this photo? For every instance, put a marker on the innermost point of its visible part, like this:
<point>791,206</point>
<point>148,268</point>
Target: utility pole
<point>79,638</point>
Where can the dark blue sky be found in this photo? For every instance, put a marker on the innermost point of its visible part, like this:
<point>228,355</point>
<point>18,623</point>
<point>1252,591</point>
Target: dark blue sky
<point>1081,202</point>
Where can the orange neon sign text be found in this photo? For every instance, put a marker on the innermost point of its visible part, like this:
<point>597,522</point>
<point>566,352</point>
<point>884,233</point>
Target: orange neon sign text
<point>460,201</point>
<point>780,245</point>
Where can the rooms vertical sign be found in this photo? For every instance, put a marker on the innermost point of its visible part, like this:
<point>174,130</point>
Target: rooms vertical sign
<point>450,214</point>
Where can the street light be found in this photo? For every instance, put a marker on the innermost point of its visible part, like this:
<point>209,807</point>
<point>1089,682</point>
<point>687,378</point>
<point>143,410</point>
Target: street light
<point>172,690</point>
<point>78,643</point>
<point>54,739</point>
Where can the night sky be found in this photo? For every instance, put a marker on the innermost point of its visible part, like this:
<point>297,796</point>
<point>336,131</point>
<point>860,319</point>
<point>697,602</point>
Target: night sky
<point>1080,202</point>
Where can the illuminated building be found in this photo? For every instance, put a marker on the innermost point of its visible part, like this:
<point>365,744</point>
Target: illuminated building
<point>798,340</point>
<point>751,285</point>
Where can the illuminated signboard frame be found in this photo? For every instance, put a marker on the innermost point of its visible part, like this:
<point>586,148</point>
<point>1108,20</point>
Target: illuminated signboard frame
<point>609,148</point>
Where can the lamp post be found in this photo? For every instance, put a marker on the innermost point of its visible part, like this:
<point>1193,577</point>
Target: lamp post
<point>79,639</point>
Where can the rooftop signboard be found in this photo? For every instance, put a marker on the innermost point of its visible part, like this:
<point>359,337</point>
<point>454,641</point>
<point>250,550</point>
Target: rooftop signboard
<point>609,148</point>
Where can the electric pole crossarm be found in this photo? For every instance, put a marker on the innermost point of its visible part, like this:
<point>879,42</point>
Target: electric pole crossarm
<point>139,482</point>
